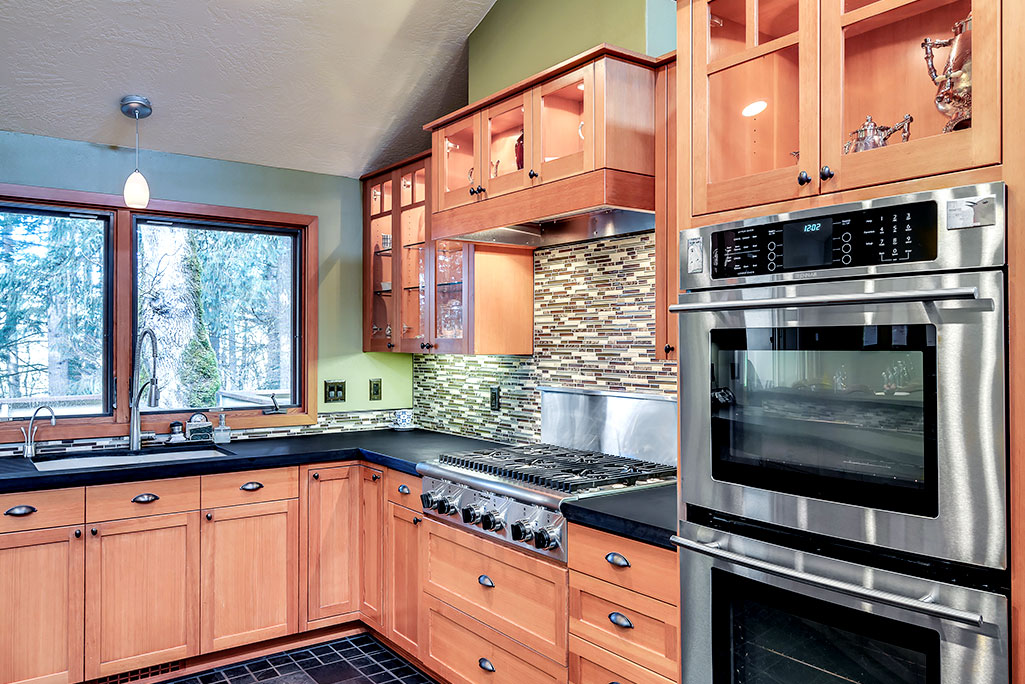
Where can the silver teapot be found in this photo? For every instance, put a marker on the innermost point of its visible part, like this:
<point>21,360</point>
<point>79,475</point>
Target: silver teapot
<point>954,96</point>
<point>871,136</point>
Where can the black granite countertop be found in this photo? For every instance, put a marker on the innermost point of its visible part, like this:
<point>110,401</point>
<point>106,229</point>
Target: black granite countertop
<point>391,449</point>
<point>647,515</point>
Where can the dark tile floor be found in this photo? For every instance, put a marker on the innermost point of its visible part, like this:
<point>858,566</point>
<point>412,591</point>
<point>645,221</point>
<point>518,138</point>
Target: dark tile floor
<point>359,659</point>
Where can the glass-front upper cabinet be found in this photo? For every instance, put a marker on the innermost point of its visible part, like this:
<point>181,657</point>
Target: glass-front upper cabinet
<point>411,251</point>
<point>457,146</point>
<point>902,94</point>
<point>564,125</point>
<point>450,317</point>
<point>507,146</point>
<point>756,84</point>
<point>379,249</point>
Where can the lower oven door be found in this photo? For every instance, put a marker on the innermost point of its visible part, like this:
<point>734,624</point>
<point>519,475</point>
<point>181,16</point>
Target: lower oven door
<point>867,410</point>
<point>756,613</point>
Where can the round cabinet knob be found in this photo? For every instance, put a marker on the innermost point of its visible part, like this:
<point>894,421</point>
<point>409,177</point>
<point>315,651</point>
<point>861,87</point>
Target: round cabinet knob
<point>316,476</point>
<point>391,345</point>
<point>429,501</point>
<point>521,531</point>
<point>491,521</point>
<point>546,539</point>
<point>480,190</point>
<point>94,531</point>
<point>473,191</point>
<point>825,173</point>
<point>78,534</point>
<point>471,514</point>
<point>803,178</point>
<point>209,516</point>
<point>375,477</point>
<point>428,345</point>
<point>423,346</point>
<point>532,174</point>
<point>668,348</point>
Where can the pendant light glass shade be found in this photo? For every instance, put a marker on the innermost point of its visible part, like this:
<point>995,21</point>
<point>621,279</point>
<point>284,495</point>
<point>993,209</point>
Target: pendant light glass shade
<point>136,191</point>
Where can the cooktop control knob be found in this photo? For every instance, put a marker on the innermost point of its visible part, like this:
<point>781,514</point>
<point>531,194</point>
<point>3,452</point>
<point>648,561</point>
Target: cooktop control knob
<point>546,539</point>
<point>521,531</point>
<point>491,521</point>
<point>472,514</point>
<point>447,507</point>
<point>429,500</point>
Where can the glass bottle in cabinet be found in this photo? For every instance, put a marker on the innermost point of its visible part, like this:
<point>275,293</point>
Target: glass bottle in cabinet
<point>756,132</point>
<point>413,257</point>
<point>460,177</point>
<point>564,127</point>
<point>380,252</point>
<point>908,89</point>
<point>507,152</point>
<point>451,288</point>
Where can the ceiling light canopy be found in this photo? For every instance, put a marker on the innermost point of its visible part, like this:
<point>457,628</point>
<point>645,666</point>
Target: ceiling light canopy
<point>136,190</point>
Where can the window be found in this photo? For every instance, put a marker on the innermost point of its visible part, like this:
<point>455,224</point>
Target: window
<point>221,301</point>
<point>54,312</point>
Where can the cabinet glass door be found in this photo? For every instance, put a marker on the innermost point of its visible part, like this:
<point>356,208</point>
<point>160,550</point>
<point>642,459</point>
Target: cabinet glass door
<point>457,147</point>
<point>451,289</point>
<point>563,125</point>
<point>755,102</point>
<point>507,153</point>
<point>380,248</point>
<point>412,254</point>
<point>902,94</point>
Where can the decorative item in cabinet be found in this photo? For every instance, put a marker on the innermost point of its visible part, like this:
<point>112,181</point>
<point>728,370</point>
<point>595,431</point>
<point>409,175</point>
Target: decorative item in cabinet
<point>872,62</point>
<point>755,78</point>
<point>871,136</point>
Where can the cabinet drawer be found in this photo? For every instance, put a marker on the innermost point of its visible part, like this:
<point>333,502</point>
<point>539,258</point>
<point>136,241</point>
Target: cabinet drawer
<point>647,632</point>
<point>136,499</point>
<point>589,664</point>
<point>624,562</point>
<point>251,486</point>
<point>404,489</point>
<point>464,651</point>
<point>36,510</point>
<point>521,596</point>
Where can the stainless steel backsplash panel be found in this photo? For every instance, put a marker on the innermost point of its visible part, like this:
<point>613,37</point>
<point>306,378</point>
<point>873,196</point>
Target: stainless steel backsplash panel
<point>641,426</point>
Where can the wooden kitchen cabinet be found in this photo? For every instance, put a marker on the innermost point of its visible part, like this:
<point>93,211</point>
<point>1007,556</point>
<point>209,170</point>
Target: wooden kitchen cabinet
<point>371,546</point>
<point>329,536</point>
<point>250,565</point>
<point>457,148</point>
<point>42,604</point>
<point>667,226</point>
<point>403,583</point>
<point>779,88</point>
<point>142,592</point>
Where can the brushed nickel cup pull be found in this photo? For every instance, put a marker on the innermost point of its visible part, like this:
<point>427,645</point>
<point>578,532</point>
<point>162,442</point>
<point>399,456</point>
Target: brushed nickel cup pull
<point>486,581</point>
<point>251,486</point>
<point>403,489</point>
<point>145,498</point>
<point>485,665</point>
<point>20,511</point>
<point>617,559</point>
<point>620,620</point>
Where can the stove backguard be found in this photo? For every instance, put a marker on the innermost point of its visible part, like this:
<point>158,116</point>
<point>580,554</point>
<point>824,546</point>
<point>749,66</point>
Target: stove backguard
<point>640,426</point>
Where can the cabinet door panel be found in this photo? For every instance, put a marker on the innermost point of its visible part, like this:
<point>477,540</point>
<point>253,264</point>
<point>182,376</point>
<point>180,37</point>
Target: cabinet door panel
<point>330,571</point>
<point>402,592</point>
<point>451,307</point>
<point>378,263</point>
<point>507,136</point>
<point>372,546</point>
<point>410,247</point>
<point>457,158</point>
<point>250,574</point>
<point>42,585</point>
<point>563,125</point>
<point>142,596</point>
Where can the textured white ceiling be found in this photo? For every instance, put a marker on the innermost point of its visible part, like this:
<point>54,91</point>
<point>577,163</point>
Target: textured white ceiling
<point>333,86</point>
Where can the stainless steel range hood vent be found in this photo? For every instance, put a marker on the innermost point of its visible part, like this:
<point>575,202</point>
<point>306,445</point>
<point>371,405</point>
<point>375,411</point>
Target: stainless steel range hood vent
<point>595,225</point>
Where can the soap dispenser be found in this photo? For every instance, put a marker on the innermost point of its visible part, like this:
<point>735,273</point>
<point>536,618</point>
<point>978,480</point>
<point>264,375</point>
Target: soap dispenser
<point>222,433</point>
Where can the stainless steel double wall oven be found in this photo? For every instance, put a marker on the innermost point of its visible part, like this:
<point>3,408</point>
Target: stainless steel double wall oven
<point>843,456</point>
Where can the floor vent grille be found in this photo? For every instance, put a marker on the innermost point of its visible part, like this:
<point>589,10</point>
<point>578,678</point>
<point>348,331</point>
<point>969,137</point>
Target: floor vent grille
<point>141,673</point>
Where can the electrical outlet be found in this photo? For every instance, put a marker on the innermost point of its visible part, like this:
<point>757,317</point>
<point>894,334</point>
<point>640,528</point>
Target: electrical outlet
<point>496,398</point>
<point>375,389</point>
<point>334,390</point>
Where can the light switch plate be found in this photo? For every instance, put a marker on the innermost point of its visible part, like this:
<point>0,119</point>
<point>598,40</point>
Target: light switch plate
<point>375,389</point>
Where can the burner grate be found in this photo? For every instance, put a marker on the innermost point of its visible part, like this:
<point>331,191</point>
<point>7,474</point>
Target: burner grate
<point>558,468</point>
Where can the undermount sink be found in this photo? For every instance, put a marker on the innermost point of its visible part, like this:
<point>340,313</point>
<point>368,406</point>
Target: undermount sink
<point>127,458</point>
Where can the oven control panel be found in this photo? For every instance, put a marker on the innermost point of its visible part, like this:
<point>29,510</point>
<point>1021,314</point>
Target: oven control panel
<point>866,237</point>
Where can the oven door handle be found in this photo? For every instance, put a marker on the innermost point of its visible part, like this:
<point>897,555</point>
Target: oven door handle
<point>832,300</point>
<point>873,595</point>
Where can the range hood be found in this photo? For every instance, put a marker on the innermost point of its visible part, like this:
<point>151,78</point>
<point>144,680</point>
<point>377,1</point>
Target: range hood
<point>593,225</point>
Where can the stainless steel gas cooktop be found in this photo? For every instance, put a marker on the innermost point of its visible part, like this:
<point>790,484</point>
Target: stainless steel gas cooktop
<point>514,493</point>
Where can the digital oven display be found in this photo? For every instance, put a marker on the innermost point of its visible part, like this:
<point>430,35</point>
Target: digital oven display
<point>808,244</point>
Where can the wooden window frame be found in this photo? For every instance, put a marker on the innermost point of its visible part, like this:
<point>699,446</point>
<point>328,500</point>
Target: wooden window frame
<point>121,339</point>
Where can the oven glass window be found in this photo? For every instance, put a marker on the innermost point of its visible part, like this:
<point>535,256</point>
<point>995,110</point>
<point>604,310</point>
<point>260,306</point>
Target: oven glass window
<point>765,635</point>
<point>844,413</point>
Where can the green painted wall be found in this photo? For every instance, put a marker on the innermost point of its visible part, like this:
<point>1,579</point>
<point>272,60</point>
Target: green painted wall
<point>519,38</point>
<point>52,162</point>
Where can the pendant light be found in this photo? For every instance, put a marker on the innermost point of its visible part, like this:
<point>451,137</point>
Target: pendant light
<point>136,190</point>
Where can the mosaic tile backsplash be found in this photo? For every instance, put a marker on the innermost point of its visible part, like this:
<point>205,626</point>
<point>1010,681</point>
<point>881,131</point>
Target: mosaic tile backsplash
<point>594,327</point>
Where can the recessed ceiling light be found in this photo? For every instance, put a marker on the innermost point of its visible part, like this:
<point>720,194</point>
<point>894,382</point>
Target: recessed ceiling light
<point>755,108</point>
